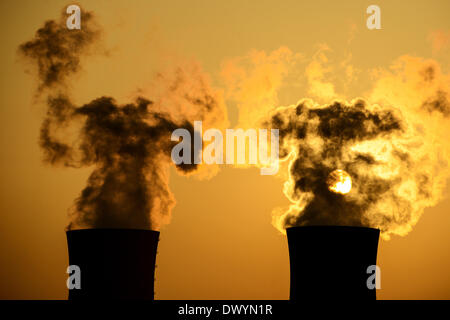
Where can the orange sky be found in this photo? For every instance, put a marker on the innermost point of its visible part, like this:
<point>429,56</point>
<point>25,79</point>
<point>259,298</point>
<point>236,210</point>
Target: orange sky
<point>220,243</point>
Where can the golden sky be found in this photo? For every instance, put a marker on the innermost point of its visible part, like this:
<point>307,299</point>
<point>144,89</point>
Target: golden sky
<point>220,243</point>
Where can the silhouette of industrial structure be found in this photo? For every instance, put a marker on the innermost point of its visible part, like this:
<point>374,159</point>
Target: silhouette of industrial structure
<point>331,262</point>
<point>114,263</point>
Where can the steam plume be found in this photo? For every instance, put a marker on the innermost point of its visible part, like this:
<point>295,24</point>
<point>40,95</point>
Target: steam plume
<point>320,139</point>
<point>128,145</point>
<point>394,151</point>
<point>392,144</point>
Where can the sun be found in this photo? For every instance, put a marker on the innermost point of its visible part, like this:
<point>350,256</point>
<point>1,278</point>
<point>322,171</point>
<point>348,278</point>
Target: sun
<point>339,181</point>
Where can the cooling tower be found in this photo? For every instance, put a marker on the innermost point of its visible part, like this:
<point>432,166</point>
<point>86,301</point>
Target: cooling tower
<point>114,263</point>
<point>330,262</point>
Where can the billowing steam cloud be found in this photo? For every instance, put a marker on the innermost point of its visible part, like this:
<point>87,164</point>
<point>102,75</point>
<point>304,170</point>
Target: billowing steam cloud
<point>393,144</point>
<point>128,145</point>
<point>321,139</point>
<point>396,153</point>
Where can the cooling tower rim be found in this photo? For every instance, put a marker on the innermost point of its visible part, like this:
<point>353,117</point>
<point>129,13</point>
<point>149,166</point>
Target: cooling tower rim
<point>332,227</point>
<point>110,229</point>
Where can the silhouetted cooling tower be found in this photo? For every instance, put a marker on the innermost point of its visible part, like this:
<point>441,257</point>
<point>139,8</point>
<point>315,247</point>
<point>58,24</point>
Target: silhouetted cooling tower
<point>114,263</point>
<point>330,262</point>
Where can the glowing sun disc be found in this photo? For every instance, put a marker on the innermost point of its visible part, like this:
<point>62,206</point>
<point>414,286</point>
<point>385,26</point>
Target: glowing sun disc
<point>339,181</point>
